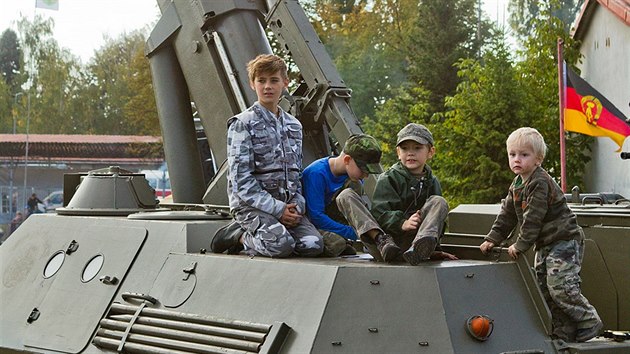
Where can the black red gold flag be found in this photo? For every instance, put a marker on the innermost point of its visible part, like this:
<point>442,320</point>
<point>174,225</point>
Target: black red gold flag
<point>588,112</point>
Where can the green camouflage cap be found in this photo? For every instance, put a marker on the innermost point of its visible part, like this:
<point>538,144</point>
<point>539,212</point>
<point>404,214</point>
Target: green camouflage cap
<point>365,151</point>
<point>416,132</point>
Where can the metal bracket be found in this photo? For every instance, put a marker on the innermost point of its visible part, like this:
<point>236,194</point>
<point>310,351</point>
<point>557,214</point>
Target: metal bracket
<point>33,316</point>
<point>190,270</point>
<point>127,296</point>
<point>72,247</point>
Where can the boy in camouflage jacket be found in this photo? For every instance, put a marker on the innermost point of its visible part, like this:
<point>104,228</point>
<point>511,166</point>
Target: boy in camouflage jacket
<point>264,166</point>
<point>536,205</point>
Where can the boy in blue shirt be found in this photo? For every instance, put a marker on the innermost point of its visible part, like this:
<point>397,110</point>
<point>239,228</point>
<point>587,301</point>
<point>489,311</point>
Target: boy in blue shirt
<point>334,200</point>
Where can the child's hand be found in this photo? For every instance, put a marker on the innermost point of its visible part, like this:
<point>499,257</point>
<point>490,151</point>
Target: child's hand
<point>441,255</point>
<point>413,222</point>
<point>486,247</point>
<point>513,252</point>
<point>290,217</point>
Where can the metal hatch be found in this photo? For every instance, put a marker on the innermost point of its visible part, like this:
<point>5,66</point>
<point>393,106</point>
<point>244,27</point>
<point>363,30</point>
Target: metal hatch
<point>92,270</point>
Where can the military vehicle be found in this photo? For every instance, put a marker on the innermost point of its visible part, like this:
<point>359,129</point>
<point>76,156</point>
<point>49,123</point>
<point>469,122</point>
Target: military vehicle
<point>116,271</point>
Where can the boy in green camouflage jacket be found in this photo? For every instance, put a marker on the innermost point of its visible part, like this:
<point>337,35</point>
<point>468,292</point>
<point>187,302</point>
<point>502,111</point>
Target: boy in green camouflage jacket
<point>536,205</point>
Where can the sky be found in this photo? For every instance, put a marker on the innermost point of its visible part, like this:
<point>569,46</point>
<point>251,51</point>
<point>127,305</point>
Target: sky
<point>80,25</point>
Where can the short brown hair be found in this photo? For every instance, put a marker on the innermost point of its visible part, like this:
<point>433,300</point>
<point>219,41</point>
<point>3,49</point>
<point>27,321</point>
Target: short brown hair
<point>266,63</point>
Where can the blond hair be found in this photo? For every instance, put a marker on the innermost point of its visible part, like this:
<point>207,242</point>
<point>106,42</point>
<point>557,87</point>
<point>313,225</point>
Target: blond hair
<point>529,137</point>
<point>267,64</point>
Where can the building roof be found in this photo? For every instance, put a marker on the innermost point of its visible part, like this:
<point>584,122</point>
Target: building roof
<point>620,8</point>
<point>80,147</point>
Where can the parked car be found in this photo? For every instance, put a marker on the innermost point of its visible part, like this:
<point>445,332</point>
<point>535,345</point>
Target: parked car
<point>51,202</point>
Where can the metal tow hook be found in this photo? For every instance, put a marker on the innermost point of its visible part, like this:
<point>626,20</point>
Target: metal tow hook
<point>190,270</point>
<point>106,279</point>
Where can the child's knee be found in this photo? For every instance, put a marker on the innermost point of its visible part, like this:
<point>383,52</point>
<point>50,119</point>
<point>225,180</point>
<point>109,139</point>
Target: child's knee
<point>437,201</point>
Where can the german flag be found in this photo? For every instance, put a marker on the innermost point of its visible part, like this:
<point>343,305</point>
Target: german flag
<point>588,112</point>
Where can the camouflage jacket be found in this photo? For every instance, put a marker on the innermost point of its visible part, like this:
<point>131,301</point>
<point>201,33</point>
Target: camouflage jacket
<point>539,208</point>
<point>264,155</point>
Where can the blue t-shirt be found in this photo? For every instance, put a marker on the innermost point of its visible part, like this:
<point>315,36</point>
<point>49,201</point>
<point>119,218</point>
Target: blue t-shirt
<point>319,185</point>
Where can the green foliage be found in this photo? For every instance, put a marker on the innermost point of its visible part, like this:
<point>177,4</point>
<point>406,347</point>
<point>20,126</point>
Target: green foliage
<point>444,32</point>
<point>470,158</point>
<point>6,111</point>
<point>141,110</point>
<point>50,75</point>
<point>111,95</point>
<point>409,104</point>
<point>495,97</point>
<point>10,54</point>
<point>365,44</point>
<point>540,77</point>
<point>524,14</point>
<point>111,74</point>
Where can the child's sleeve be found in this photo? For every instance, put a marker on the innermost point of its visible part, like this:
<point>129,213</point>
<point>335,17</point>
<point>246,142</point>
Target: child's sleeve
<point>387,206</point>
<point>505,221</point>
<point>534,212</point>
<point>315,187</point>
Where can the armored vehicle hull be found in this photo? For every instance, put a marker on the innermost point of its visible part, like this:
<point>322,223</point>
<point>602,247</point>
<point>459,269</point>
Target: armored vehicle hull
<point>154,290</point>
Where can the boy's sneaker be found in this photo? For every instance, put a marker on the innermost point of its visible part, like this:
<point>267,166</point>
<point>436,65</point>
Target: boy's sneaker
<point>420,250</point>
<point>585,334</point>
<point>387,247</point>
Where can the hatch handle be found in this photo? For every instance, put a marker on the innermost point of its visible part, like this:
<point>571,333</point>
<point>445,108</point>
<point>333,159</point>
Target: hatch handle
<point>128,296</point>
<point>72,247</point>
<point>190,270</point>
<point>585,200</point>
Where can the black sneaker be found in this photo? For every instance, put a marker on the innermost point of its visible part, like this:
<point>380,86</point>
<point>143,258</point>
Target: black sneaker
<point>387,247</point>
<point>227,238</point>
<point>420,250</point>
<point>585,334</point>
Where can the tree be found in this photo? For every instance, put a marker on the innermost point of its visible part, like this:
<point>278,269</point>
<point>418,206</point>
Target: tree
<point>379,46</point>
<point>523,14</point>
<point>51,75</point>
<point>495,97</point>
<point>6,108</point>
<point>111,76</point>
<point>470,157</point>
<point>141,110</point>
<point>10,58</point>
<point>444,32</point>
<point>540,77</point>
<point>363,39</point>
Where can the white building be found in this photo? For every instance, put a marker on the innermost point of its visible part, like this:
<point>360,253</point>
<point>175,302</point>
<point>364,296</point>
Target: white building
<point>603,27</point>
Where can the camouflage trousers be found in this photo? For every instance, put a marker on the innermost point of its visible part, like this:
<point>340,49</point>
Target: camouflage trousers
<point>356,214</point>
<point>557,269</point>
<point>266,236</point>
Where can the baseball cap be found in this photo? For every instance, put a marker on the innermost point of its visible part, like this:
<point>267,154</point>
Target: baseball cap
<point>416,132</point>
<point>365,151</point>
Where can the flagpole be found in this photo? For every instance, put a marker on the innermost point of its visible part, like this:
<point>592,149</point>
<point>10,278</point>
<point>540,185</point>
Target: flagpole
<point>562,102</point>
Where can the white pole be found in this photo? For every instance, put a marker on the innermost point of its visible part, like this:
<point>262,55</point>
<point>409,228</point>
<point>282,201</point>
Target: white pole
<point>28,120</point>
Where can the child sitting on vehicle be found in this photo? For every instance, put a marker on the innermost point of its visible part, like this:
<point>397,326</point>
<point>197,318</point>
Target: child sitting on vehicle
<point>408,199</point>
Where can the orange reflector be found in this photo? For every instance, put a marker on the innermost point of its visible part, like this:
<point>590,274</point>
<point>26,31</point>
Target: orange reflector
<point>480,327</point>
